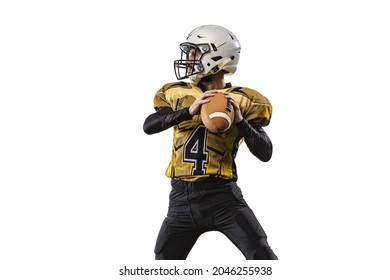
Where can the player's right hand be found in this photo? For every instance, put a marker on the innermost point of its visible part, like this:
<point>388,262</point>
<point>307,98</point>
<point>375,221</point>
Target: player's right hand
<point>195,107</point>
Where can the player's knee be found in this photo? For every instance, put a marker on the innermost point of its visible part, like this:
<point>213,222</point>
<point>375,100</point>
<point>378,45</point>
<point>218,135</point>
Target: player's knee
<point>264,253</point>
<point>160,256</point>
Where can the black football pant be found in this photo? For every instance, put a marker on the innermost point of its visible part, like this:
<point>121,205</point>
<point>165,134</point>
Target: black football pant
<point>212,204</point>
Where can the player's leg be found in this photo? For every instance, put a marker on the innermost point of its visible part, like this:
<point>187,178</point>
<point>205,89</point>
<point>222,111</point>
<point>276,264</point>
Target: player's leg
<point>242,227</point>
<point>249,237</point>
<point>174,242</point>
<point>178,233</point>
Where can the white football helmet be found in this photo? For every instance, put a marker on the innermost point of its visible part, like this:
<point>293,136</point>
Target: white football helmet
<point>207,50</point>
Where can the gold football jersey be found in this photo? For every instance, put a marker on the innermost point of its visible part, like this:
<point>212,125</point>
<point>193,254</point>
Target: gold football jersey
<point>198,153</point>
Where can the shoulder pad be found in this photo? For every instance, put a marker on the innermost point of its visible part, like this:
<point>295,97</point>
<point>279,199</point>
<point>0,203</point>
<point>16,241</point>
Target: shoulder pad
<point>249,93</point>
<point>175,84</point>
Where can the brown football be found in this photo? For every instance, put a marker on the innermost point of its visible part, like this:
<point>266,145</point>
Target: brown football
<point>218,114</point>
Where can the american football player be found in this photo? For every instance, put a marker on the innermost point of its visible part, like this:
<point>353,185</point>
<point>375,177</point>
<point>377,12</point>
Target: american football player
<point>205,195</point>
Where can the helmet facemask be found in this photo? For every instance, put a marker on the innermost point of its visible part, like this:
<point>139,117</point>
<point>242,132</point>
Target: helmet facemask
<point>190,63</point>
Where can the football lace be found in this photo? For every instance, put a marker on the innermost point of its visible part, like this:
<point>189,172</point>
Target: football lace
<point>229,105</point>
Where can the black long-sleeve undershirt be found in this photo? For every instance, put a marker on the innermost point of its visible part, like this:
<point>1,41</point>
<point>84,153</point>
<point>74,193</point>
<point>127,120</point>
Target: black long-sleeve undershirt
<point>165,118</point>
<point>255,137</point>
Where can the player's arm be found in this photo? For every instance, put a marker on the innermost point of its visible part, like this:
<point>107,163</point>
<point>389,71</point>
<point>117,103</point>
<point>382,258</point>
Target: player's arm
<point>165,118</point>
<point>256,139</point>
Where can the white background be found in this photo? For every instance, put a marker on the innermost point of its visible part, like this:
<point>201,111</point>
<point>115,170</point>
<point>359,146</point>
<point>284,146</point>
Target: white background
<point>82,188</point>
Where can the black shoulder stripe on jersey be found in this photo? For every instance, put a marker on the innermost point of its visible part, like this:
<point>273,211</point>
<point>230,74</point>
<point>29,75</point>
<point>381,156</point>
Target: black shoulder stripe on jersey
<point>239,91</point>
<point>178,84</point>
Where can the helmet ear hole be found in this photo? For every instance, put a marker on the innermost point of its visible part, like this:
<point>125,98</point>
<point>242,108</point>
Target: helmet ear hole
<point>216,58</point>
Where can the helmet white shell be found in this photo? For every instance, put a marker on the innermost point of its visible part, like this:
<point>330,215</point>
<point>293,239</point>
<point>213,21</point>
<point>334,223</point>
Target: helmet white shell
<point>219,48</point>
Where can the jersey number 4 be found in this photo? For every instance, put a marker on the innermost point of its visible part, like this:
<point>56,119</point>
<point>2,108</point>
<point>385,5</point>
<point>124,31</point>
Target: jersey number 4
<point>195,150</point>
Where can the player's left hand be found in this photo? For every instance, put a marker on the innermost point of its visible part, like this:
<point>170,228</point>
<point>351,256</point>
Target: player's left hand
<point>237,111</point>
